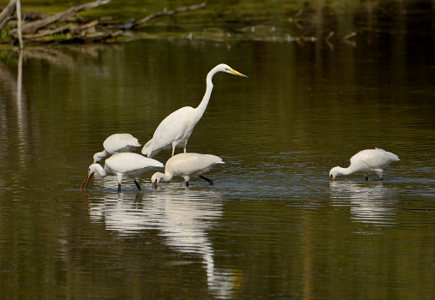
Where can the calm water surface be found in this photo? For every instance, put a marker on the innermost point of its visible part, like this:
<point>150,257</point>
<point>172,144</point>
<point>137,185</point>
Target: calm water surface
<point>273,226</point>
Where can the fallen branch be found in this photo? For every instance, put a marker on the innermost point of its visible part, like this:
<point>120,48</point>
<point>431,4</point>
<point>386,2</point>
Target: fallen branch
<point>8,10</point>
<point>170,13</point>
<point>50,29</point>
<point>101,36</point>
<point>5,15</point>
<point>44,33</point>
<point>36,25</point>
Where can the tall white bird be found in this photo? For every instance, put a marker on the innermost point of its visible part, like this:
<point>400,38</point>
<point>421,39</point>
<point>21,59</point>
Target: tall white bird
<point>115,143</point>
<point>177,127</point>
<point>366,161</point>
<point>187,165</point>
<point>122,164</point>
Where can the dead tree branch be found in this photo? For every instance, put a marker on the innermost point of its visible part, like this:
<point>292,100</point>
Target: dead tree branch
<point>36,25</point>
<point>20,33</point>
<point>170,13</point>
<point>7,12</point>
<point>67,26</point>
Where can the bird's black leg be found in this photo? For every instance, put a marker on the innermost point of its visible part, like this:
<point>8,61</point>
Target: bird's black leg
<point>367,178</point>
<point>210,182</point>
<point>137,185</point>
<point>187,183</point>
<point>119,187</point>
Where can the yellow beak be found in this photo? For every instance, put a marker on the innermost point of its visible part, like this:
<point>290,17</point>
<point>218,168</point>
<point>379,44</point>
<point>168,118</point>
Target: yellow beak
<point>238,73</point>
<point>85,182</point>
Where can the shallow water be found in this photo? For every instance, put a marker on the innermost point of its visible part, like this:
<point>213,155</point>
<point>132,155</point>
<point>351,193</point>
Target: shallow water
<point>272,226</point>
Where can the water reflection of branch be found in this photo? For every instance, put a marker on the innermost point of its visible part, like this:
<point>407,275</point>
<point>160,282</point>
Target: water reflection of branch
<point>53,56</point>
<point>17,97</point>
<point>369,201</point>
<point>183,219</point>
<point>21,117</point>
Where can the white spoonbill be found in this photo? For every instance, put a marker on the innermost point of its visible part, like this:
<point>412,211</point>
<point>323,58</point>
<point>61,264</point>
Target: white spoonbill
<point>187,165</point>
<point>122,164</point>
<point>118,142</point>
<point>177,127</point>
<point>366,161</point>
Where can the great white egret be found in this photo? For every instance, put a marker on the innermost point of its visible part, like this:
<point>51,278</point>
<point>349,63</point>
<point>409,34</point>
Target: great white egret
<point>118,142</point>
<point>366,161</point>
<point>187,165</point>
<point>122,164</point>
<point>177,127</point>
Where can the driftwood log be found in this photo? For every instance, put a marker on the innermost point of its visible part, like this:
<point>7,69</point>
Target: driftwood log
<point>69,27</point>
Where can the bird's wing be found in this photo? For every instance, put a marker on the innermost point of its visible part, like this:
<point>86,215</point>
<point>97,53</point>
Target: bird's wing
<point>375,158</point>
<point>171,129</point>
<point>191,163</point>
<point>130,162</point>
<point>390,156</point>
<point>120,142</point>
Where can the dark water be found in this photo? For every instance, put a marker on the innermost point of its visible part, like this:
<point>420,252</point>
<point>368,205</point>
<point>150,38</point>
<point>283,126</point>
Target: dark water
<point>273,226</point>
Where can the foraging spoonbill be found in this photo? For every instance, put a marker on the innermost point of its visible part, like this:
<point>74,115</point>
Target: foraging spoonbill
<point>366,161</point>
<point>177,127</point>
<point>187,165</point>
<point>122,164</point>
<point>115,143</point>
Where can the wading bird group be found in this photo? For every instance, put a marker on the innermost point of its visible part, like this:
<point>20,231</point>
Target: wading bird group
<point>175,130</point>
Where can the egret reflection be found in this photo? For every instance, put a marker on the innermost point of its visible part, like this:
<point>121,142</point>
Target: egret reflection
<point>183,218</point>
<point>369,202</point>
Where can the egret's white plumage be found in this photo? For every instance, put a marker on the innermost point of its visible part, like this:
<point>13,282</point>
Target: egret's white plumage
<point>366,161</point>
<point>187,165</point>
<point>177,127</point>
<point>115,143</point>
<point>122,164</point>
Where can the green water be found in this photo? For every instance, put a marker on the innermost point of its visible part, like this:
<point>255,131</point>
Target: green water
<point>273,226</point>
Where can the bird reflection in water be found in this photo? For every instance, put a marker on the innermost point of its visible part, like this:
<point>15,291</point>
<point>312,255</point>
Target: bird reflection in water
<point>369,203</point>
<point>183,219</point>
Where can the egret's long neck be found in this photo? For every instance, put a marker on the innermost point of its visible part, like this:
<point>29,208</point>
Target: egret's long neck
<point>204,102</point>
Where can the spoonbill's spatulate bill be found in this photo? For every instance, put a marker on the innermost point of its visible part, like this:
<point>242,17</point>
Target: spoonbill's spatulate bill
<point>177,127</point>
<point>115,143</point>
<point>187,165</point>
<point>122,164</point>
<point>366,161</point>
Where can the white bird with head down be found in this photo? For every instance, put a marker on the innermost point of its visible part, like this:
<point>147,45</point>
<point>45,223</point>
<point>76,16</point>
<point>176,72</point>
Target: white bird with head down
<point>187,165</point>
<point>115,143</point>
<point>177,127</point>
<point>122,164</point>
<point>366,161</point>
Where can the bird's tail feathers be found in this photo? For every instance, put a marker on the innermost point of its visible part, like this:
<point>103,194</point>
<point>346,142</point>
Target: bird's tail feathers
<point>147,149</point>
<point>392,156</point>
